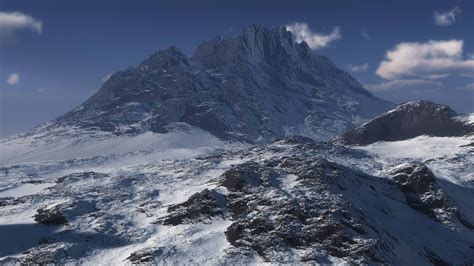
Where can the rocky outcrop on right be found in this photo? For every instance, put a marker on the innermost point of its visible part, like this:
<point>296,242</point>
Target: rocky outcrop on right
<point>407,121</point>
<point>424,194</point>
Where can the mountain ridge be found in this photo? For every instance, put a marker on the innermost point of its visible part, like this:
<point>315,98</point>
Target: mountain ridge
<point>254,87</point>
<point>409,120</point>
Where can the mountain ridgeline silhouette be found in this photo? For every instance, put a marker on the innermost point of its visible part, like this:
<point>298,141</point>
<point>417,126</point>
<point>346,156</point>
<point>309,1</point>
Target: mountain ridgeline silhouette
<point>254,87</point>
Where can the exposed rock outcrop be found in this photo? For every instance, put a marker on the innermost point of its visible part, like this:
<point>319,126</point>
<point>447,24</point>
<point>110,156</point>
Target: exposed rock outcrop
<point>424,194</point>
<point>407,121</point>
<point>50,216</point>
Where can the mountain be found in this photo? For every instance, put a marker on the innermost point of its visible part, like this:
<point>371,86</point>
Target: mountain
<point>410,120</point>
<point>256,86</point>
<point>173,162</point>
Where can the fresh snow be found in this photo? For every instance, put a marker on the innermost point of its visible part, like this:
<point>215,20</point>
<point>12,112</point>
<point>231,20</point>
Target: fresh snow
<point>137,178</point>
<point>419,148</point>
<point>25,190</point>
<point>450,158</point>
<point>49,148</point>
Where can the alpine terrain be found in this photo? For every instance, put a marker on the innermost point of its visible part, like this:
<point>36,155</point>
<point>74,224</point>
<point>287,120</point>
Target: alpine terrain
<point>253,150</point>
<point>254,87</point>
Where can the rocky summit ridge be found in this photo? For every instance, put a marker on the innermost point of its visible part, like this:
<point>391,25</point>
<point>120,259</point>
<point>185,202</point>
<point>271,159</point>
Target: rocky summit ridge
<point>254,87</point>
<point>410,120</point>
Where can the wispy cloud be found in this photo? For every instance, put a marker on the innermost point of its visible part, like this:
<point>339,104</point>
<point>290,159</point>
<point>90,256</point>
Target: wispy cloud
<point>429,60</point>
<point>315,41</point>
<point>467,87</point>
<point>392,85</point>
<point>106,77</point>
<point>13,79</point>
<point>446,18</point>
<point>366,35</point>
<point>13,22</point>
<point>358,68</point>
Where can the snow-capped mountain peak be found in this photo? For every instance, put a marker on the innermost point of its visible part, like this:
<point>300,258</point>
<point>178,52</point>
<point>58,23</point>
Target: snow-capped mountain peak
<point>256,86</point>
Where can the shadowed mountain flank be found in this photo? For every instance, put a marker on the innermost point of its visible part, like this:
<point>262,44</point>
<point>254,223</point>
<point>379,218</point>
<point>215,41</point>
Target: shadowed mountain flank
<point>410,120</point>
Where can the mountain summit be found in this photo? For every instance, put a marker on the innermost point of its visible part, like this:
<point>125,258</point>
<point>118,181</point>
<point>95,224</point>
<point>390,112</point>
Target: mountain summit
<point>410,120</point>
<point>256,86</point>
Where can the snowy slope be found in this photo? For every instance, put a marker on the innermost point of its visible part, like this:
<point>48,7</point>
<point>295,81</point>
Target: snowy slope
<point>72,143</point>
<point>291,201</point>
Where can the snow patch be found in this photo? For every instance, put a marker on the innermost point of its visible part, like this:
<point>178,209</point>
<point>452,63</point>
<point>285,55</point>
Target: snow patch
<point>418,148</point>
<point>37,148</point>
<point>25,190</point>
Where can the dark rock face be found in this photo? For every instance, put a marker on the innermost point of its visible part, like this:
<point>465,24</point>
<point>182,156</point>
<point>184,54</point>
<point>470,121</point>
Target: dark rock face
<point>256,86</point>
<point>240,176</point>
<point>284,221</point>
<point>408,121</point>
<point>435,259</point>
<point>50,216</point>
<point>44,254</point>
<point>198,208</point>
<point>63,213</point>
<point>414,177</point>
<point>270,219</point>
<point>423,194</point>
<point>78,176</point>
<point>144,255</point>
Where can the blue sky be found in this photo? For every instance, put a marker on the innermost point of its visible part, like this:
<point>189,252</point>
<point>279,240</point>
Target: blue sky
<point>55,54</point>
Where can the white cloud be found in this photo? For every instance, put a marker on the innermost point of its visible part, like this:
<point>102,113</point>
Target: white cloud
<point>301,32</point>
<point>429,60</point>
<point>13,22</point>
<point>41,90</point>
<point>13,79</point>
<point>358,68</point>
<point>446,18</point>
<point>106,77</point>
<point>403,84</point>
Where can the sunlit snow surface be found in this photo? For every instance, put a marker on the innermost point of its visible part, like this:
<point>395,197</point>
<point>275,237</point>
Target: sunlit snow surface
<point>76,143</point>
<point>117,209</point>
<point>142,175</point>
<point>24,190</point>
<point>450,158</point>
